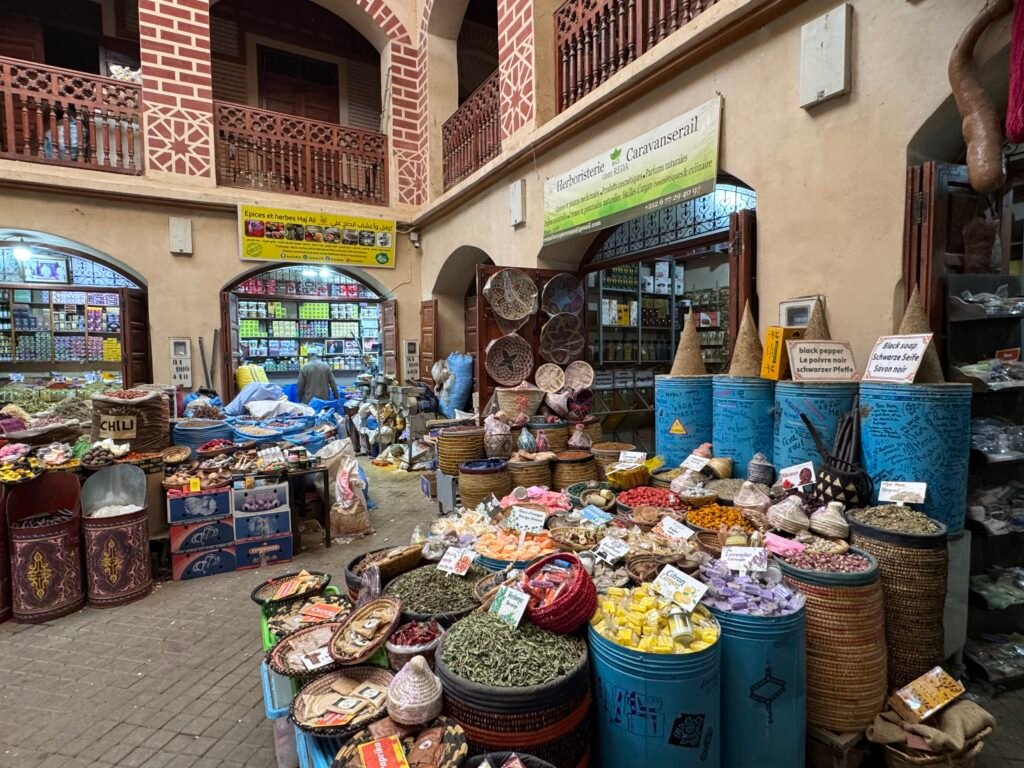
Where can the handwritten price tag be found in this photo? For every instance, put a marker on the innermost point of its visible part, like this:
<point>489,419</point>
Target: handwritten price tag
<point>695,462</point>
<point>902,493</point>
<point>611,550</point>
<point>632,458</point>
<point>509,605</point>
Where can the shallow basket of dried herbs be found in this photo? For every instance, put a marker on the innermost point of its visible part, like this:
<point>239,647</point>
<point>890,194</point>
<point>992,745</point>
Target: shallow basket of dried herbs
<point>427,593</point>
<point>483,651</point>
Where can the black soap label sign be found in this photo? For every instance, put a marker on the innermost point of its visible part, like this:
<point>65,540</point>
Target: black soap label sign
<point>117,426</point>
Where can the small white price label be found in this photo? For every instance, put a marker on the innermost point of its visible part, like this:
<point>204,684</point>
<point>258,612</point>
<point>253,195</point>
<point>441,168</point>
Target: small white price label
<point>527,520</point>
<point>456,561</point>
<point>797,475</point>
<point>902,493</point>
<point>746,559</point>
<point>611,550</point>
<point>695,462</point>
<point>509,605</point>
<point>683,590</point>
<point>673,529</point>
<point>632,458</point>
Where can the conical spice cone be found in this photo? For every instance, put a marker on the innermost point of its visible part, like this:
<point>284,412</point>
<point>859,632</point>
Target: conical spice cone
<point>746,357</point>
<point>689,361</point>
<point>915,321</point>
<point>817,325</point>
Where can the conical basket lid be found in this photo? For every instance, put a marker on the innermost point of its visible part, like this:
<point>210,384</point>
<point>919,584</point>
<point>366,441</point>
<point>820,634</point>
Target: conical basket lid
<point>689,361</point>
<point>915,320</point>
<point>746,357</point>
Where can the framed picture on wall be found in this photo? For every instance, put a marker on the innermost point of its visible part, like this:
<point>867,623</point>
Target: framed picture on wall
<point>45,270</point>
<point>797,312</point>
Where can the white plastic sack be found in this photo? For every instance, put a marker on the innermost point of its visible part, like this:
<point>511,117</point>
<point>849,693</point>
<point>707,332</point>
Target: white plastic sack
<point>330,457</point>
<point>265,409</point>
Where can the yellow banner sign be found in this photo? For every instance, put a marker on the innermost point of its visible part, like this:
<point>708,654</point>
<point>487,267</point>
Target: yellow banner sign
<point>276,234</point>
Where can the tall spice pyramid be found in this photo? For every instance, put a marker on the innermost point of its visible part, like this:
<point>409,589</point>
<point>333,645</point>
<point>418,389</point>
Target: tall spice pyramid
<point>916,321</point>
<point>746,356</point>
<point>689,361</point>
<point>817,324</point>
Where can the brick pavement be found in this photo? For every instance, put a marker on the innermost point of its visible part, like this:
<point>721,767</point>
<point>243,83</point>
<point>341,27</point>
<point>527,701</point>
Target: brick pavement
<point>172,680</point>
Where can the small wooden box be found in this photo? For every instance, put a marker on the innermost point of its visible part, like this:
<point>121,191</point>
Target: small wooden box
<point>775,361</point>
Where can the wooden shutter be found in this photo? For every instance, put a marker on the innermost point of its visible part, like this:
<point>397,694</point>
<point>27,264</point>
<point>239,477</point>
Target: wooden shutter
<point>230,344</point>
<point>939,202</point>
<point>389,337</point>
<point>428,338</point>
<point>471,336</point>
<point>21,38</point>
<point>136,352</point>
<point>742,269</point>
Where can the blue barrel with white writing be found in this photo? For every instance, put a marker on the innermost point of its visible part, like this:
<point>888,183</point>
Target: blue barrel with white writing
<point>744,419</point>
<point>764,689</point>
<point>920,433</point>
<point>682,416</point>
<point>656,709</point>
<point>823,404</point>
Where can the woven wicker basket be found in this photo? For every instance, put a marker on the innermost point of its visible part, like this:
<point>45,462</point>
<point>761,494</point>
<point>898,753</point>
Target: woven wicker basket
<point>900,757</point>
<point>498,445</point>
<point>846,654</point>
<point>914,570</point>
<point>476,486</point>
<point>557,434</point>
<point>573,467</point>
<point>527,473</point>
<point>322,686</point>
<point>592,426</point>
<point>456,445</point>
<point>606,454</point>
<point>513,400</point>
<point>709,542</point>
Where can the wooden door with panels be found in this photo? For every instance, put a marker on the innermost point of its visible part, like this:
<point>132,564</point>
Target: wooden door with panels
<point>428,339</point>
<point>389,338</point>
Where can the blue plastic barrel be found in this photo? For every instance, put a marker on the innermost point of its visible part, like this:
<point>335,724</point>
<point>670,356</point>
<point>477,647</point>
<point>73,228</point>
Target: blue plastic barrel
<point>764,689</point>
<point>656,709</point>
<point>682,416</point>
<point>823,404</point>
<point>744,420</point>
<point>920,433</point>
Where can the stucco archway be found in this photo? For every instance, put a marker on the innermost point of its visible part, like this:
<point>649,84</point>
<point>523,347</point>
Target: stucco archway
<point>32,237</point>
<point>454,290</point>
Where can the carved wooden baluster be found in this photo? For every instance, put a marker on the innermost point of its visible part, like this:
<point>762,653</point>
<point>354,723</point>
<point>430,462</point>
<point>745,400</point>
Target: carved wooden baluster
<point>595,49</point>
<point>602,39</point>
<point>698,8</point>
<point>115,146</point>
<point>563,51</point>
<point>52,121</point>
<point>662,20</point>
<point>101,137</point>
<point>673,16</point>
<point>634,39</point>
<point>588,61</point>
<point>24,126</point>
<point>623,27</point>
<point>129,150</point>
<point>38,115</point>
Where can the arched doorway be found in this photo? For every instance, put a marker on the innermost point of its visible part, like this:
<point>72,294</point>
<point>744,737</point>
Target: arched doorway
<point>273,315</point>
<point>70,309</point>
<point>454,307</point>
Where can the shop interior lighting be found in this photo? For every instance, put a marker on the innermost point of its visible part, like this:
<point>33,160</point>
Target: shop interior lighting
<point>21,251</point>
<point>309,273</point>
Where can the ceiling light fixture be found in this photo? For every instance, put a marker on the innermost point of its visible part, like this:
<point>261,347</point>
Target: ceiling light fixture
<point>21,251</point>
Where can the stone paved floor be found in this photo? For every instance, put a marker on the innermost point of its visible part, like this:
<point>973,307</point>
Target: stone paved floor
<point>172,680</point>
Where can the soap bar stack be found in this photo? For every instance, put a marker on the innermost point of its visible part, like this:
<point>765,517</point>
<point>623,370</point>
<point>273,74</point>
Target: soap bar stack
<point>750,595</point>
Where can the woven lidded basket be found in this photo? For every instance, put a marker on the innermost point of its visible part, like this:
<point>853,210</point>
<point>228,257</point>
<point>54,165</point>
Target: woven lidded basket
<point>572,467</point>
<point>913,573</point>
<point>846,652</point>
<point>456,445</point>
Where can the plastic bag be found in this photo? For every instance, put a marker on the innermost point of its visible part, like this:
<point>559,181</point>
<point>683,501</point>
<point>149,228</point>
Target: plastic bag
<point>369,586</point>
<point>400,655</point>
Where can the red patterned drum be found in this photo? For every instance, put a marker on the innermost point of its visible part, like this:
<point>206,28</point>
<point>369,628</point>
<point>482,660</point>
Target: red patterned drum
<point>117,558</point>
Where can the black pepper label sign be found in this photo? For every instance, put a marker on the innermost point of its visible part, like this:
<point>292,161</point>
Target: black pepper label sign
<point>117,426</point>
<point>821,361</point>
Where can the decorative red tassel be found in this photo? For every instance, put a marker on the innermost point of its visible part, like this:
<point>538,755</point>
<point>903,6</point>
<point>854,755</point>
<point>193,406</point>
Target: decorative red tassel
<point>1015,105</point>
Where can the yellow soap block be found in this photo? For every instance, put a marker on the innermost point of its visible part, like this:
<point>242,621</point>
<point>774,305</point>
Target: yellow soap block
<point>617,591</point>
<point>625,636</point>
<point>709,636</point>
<point>699,645</point>
<point>608,607</point>
<point>661,646</point>
<point>645,644</point>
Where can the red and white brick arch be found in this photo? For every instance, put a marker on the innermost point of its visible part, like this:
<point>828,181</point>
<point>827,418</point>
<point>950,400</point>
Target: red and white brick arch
<point>174,40</point>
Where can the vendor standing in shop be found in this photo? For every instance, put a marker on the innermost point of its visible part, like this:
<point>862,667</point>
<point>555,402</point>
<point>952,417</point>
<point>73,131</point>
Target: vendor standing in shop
<point>316,379</point>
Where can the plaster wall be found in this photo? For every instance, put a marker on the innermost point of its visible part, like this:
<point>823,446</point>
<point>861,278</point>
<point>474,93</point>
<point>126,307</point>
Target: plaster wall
<point>830,180</point>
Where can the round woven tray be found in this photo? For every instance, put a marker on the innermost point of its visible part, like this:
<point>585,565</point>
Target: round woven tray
<point>509,359</point>
<point>322,686</point>
<point>512,294</point>
<point>562,339</point>
<point>562,293</point>
<point>264,593</point>
<point>579,375</point>
<point>277,656</point>
<point>336,647</point>
<point>549,377</point>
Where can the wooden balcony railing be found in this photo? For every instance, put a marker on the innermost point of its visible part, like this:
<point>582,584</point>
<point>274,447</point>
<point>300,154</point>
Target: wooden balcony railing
<point>594,39</point>
<point>63,117</point>
<point>283,153</point>
<point>472,135</point>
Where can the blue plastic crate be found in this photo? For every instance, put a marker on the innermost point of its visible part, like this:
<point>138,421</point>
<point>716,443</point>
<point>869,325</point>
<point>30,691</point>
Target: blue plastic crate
<point>278,692</point>
<point>316,752</point>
